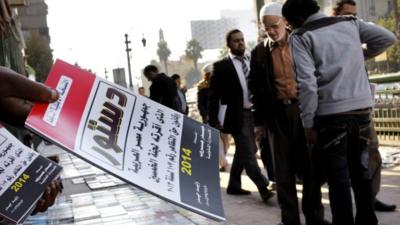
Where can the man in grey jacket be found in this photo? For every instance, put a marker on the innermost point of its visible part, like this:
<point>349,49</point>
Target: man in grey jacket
<point>349,7</point>
<point>335,101</point>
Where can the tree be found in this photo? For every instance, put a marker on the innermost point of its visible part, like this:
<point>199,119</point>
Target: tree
<point>39,56</point>
<point>163,53</point>
<point>250,45</point>
<point>193,52</point>
<point>393,53</point>
<point>223,52</point>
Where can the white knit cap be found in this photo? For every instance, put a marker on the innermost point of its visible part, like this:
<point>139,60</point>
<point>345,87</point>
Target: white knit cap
<point>271,9</point>
<point>208,68</point>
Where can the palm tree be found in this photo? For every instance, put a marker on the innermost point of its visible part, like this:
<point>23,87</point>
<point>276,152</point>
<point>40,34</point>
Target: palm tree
<point>193,52</point>
<point>163,53</point>
<point>223,52</point>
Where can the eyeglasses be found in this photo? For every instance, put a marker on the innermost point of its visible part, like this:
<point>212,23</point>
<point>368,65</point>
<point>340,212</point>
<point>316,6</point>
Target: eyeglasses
<point>273,26</point>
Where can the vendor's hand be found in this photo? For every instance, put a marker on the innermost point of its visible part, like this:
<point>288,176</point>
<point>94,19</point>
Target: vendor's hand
<point>259,132</point>
<point>17,94</point>
<point>311,137</point>
<point>49,196</point>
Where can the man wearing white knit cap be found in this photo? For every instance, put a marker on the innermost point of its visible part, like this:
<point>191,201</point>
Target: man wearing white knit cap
<point>275,105</point>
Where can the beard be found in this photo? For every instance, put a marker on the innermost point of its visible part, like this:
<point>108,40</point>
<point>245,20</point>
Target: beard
<point>280,37</point>
<point>238,52</point>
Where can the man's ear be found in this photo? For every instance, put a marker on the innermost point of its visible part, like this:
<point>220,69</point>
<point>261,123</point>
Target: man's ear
<point>285,21</point>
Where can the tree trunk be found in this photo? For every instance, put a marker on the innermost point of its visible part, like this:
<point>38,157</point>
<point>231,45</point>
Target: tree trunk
<point>258,5</point>
<point>396,17</point>
<point>166,66</point>
<point>195,65</point>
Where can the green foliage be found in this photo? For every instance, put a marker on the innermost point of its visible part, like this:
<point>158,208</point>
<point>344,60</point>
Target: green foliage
<point>393,53</point>
<point>250,45</point>
<point>223,52</point>
<point>163,53</point>
<point>193,51</point>
<point>39,56</point>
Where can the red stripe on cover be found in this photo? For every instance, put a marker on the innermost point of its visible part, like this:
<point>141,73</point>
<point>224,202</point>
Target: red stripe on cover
<point>66,128</point>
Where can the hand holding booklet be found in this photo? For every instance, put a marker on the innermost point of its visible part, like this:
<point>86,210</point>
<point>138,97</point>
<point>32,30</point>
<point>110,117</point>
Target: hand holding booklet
<point>24,175</point>
<point>140,141</point>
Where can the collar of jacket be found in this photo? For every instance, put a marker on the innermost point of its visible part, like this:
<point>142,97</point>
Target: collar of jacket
<point>232,56</point>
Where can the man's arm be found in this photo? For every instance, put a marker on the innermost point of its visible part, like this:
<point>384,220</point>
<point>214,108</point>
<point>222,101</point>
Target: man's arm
<point>214,96</point>
<point>16,94</point>
<point>155,91</point>
<point>304,68</point>
<point>255,86</point>
<point>202,99</point>
<point>377,38</point>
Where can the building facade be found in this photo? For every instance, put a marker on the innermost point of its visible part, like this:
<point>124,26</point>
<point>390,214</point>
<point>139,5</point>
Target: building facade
<point>119,76</point>
<point>211,33</point>
<point>34,19</point>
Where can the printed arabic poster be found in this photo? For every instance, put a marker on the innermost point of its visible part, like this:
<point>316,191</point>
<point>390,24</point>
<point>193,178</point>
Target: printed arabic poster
<point>24,175</point>
<point>133,138</point>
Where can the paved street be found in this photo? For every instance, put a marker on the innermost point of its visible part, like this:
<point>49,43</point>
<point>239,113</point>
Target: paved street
<point>93,197</point>
<point>250,210</point>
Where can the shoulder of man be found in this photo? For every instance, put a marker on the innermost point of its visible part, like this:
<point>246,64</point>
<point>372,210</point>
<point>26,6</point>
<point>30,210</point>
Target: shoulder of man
<point>320,23</point>
<point>219,65</point>
<point>260,48</point>
<point>221,61</point>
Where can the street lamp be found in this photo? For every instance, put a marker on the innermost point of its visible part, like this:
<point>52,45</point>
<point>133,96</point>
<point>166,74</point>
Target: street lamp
<point>127,42</point>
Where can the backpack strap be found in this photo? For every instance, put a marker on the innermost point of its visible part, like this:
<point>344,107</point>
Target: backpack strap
<point>323,22</point>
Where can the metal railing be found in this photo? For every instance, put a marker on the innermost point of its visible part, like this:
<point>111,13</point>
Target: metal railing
<point>387,117</point>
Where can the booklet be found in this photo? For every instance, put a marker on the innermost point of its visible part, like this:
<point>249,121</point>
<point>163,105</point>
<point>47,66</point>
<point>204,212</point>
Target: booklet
<point>132,137</point>
<point>24,175</point>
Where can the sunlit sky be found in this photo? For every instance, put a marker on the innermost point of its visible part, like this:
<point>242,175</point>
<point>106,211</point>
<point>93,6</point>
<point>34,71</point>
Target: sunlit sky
<point>91,32</point>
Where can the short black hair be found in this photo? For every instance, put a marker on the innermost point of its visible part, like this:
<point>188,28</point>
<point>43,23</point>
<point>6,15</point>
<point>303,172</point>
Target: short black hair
<point>341,3</point>
<point>175,77</point>
<point>229,35</point>
<point>297,11</point>
<point>150,68</point>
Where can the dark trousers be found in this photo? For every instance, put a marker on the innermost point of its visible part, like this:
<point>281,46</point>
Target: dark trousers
<point>293,159</point>
<point>245,156</point>
<point>375,161</point>
<point>343,145</point>
<point>266,157</point>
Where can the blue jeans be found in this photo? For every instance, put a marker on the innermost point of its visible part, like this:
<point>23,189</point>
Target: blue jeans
<point>342,154</point>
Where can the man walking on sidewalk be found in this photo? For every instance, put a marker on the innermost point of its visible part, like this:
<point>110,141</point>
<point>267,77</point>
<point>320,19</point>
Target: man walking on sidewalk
<point>229,92</point>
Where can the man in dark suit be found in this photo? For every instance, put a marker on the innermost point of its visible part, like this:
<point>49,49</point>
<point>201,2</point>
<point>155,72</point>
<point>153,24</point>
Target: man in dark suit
<point>229,93</point>
<point>163,88</point>
<point>183,107</point>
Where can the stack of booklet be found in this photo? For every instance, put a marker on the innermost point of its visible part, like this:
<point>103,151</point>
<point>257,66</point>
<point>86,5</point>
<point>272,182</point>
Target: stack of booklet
<point>24,175</point>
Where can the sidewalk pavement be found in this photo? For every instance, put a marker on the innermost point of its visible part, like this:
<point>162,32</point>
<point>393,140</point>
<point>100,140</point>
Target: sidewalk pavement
<point>250,210</point>
<point>85,203</point>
